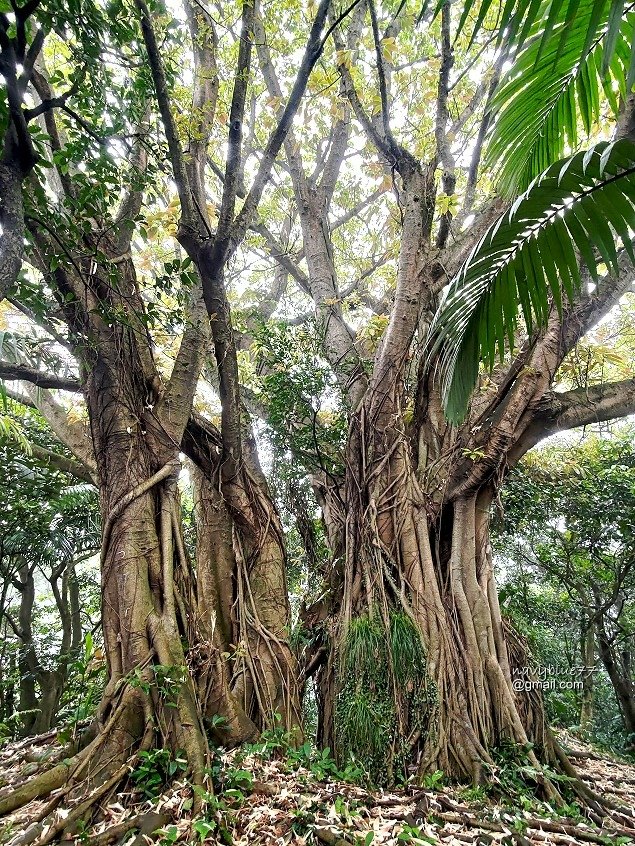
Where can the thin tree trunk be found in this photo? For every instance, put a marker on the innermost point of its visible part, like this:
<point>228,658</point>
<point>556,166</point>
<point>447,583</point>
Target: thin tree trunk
<point>27,659</point>
<point>77,634</point>
<point>621,682</point>
<point>588,662</point>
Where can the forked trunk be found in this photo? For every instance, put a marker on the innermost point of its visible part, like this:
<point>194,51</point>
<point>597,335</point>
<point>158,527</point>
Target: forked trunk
<point>617,666</point>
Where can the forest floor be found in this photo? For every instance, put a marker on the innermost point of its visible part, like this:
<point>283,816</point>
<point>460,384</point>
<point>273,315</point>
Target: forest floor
<point>265,797</point>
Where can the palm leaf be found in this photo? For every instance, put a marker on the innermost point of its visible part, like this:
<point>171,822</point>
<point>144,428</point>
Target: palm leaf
<point>572,214</point>
<point>516,17</point>
<point>516,20</point>
<point>552,88</point>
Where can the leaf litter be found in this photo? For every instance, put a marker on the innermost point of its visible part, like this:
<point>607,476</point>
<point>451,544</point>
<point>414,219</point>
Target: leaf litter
<point>273,802</point>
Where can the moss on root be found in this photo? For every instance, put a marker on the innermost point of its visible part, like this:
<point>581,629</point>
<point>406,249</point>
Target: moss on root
<point>386,703</point>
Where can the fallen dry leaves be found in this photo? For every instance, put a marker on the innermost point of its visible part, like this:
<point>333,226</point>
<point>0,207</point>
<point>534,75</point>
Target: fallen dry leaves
<point>279,805</point>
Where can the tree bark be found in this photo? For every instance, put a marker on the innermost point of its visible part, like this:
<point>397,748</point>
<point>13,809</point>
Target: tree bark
<point>619,675</point>
<point>243,588</point>
<point>27,661</point>
<point>144,574</point>
<point>11,225</point>
<point>588,661</point>
<point>437,571</point>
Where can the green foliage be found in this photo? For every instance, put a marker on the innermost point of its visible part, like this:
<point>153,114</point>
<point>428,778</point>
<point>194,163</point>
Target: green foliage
<point>231,787</point>
<point>365,717</point>
<point>366,722</point>
<point>168,836</point>
<point>323,766</point>
<point>548,22</point>
<point>87,677</point>
<point>567,543</point>
<point>156,768</point>
<point>528,255</point>
<point>412,835</point>
<point>272,744</point>
<point>408,658</point>
<point>433,781</point>
<point>10,430</point>
<point>49,525</point>
<point>299,386</point>
<point>278,744</point>
<point>515,778</point>
<point>167,680</point>
<point>364,645</point>
<point>476,794</point>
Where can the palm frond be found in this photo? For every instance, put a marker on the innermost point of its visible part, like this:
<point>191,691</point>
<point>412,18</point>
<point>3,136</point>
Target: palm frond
<point>515,17</point>
<point>554,86</point>
<point>10,430</point>
<point>516,20</point>
<point>551,28</point>
<point>572,214</point>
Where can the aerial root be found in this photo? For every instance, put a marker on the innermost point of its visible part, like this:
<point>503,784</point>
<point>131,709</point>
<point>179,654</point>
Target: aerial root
<point>531,825</point>
<point>41,785</point>
<point>63,775</point>
<point>64,779</point>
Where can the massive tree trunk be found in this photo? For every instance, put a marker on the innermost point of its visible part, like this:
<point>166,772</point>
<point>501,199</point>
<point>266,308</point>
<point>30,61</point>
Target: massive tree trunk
<point>136,424</point>
<point>145,574</point>
<point>417,643</point>
<point>420,639</point>
<point>215,609</point>
<point>242,588</point>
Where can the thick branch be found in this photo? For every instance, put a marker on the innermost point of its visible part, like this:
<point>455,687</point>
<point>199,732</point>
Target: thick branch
<point>177,158</point>
<point>22,372</point>
<point>62,463</point>
<point>585,406</point>
<point>11,226</point>
<point>313,51</point>
<point>444,149</point>
<point>358,109</point>
<point>233,162</point>
<point>73,434</point>
<point>283,257</point>
<point>205,94</point>
<point>381,75</point>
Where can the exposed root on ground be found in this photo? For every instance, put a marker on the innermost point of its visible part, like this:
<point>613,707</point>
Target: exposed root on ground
<point>288,804</point>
